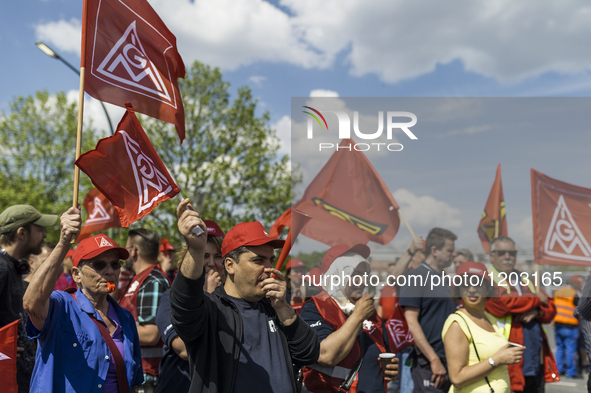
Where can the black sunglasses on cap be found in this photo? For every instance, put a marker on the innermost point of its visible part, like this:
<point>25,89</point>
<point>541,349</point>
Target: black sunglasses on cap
<point>101,265</point>
<point>500,253</point>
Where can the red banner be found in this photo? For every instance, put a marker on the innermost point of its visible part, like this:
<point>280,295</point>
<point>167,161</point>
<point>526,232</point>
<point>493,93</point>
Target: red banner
<point>127,170</point>
<point>130,55</point>
<point>493,223</point>
<point>8,336</point>
<point>101,214</point>
<point>399,335</point>
<point>283,221</point>
<point>562,221</point>
<point>349,202</point>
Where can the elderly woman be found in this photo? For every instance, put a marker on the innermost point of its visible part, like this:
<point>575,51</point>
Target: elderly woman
<point>348,327</point>
<point>87,342</point>
<point>477,352</point>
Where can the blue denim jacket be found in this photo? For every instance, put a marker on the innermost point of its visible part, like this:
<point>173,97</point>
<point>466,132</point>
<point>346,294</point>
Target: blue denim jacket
<point>72,356</point>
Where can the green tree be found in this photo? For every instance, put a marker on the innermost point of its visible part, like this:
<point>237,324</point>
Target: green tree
<point>37,145</point>
<point>229,156</point>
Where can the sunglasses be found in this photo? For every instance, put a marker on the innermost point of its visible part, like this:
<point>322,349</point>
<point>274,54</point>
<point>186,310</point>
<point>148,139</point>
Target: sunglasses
<point>500,253</point>
<point>101,265</point>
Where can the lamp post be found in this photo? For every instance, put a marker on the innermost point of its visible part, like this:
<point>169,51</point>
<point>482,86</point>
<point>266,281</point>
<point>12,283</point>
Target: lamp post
<point>51,53</point>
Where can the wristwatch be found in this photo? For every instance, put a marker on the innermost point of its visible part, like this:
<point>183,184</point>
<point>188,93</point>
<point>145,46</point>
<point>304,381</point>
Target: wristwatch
<point>492,362</point>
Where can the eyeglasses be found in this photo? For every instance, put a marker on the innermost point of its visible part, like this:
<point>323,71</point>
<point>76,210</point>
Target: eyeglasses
<point>500,253</point>
<point>101,265</point>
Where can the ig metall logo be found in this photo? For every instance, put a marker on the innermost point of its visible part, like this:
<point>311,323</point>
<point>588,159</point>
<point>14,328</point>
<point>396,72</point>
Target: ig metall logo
<point>392,122</point>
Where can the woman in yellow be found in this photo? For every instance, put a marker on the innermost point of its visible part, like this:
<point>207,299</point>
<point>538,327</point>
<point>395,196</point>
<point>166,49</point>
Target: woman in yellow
<point>477,353</point>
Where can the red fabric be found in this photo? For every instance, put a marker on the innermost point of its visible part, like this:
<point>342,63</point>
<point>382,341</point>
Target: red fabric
<point>399,335</point>
<point>130,55</point>
<point>101,214</point>
<point>124,279</point>
<point>332,314</point>
<point>129,302</point>
<point>283,221</point>
<point>63,283</point>
<point>127,170</point>
<point>349,202</point>
<point>388,301</point>
<point>514,304</point>
<point>494,211</point>
<point>248,234</point>
<point>8,336</point>
<point>561,220</point>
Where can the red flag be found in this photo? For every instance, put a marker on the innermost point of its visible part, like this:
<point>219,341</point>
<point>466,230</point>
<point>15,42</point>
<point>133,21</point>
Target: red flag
<point>130,55</point>
<point>101,214</point>
<point>493,222</point>
<point>562,221</point>
<point>8,336</point>
<point>127,170</point>
<point>399,335</point>
<point>283,221</point>
<point>349,202</point>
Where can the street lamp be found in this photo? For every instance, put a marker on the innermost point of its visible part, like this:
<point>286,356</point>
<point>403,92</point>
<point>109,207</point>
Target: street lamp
<point>51,53</point>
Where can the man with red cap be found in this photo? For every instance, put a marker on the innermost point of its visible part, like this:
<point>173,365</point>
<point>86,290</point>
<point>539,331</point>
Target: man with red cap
<point>166,258</point>
<point>293,278</point>
<point>243,337</point>
<point>350,331</point>
<point>87,342</point>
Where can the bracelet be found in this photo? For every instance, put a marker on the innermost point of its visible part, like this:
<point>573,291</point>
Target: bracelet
<point>412,254</point>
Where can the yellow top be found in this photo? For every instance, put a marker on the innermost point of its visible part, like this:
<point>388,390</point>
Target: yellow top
<point>488,344</point>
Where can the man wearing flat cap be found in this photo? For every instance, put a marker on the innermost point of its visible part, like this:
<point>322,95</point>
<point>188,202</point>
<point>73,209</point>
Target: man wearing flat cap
<point>243,337</point>
<point>22,230</point>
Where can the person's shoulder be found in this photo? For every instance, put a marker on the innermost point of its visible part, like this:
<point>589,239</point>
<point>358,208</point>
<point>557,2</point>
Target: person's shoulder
<point>5,265</point>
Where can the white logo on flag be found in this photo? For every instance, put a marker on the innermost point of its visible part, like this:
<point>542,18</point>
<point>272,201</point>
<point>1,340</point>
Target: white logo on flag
<point>4,356</point>
<point>128,64</point>
<point>564,236</point>
<point>145,173</point>
<point>103,242</point>
<point>98,214</point>
<point>398,333</point>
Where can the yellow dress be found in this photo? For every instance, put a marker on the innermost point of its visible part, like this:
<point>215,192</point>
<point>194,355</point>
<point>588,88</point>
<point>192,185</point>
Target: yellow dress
<point>488,344</point>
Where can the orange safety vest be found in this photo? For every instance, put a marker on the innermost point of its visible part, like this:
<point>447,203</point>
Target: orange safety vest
<point>151,354</point>
<point>564,300</point>
<point>323,379</point>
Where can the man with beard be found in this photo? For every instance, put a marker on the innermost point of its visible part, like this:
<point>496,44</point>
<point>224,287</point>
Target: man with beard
<point>22,230</point>
<point>426,310</point>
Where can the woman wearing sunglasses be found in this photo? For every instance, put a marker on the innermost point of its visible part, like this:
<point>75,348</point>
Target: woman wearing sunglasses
<point>86,340</point>
<point>477,352</point>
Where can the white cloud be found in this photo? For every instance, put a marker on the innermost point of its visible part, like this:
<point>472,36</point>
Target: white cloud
<point>425,212</point>
<point>505,40</point>
<point>257,79</point>
<point>523,232</point>
<point>323,93</point>
<point>94,111</point>
<point>283,129</point>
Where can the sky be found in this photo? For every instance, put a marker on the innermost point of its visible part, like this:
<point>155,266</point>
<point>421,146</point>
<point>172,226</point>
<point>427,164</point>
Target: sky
<point>382,48</point>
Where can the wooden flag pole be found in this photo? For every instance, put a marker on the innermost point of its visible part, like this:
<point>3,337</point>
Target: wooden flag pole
<point>406,223</point>
<point>79,136</point>
<point>496,228</point>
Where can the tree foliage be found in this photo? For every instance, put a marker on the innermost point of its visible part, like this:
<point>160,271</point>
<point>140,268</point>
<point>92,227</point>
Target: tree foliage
<point>229,156</point>
<point>37,150</point>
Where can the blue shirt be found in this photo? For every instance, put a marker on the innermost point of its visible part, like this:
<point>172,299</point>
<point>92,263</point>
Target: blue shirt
<point>72,356</point>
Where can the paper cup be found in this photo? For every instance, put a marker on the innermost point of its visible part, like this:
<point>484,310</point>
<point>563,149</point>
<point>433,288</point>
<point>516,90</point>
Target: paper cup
<point>385,359</point>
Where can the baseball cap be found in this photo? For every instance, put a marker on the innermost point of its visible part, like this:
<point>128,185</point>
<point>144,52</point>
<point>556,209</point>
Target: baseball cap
<point>248,234</point>
<point>336,251</point>
<point>165,246</point>
<point>94,246</point>
<point>18,216</point>
<point>213,228</point>
<point>70,253</point>
<point>294,262</point>
<point>472,269</point>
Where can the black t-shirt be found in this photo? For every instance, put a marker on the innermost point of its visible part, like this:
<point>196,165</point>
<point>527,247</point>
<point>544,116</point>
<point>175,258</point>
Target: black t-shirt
<point>174,375</point>
<point>261,367</point>
<point>11,309</point>
<point>435,304</point>
<point>370,374</point>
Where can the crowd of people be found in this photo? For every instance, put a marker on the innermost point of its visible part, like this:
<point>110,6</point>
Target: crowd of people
<point>216,316</point>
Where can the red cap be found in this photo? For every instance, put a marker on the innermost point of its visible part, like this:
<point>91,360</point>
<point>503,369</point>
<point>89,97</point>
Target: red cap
<point>70,253</point>
<point>165,246</point>
<point>472,269</point>
<point>296,263</point>
<point>213,228</point>
<point>94,246</point>
<point>248,234</point>
<point>336,251</point>
<point>315,274</point>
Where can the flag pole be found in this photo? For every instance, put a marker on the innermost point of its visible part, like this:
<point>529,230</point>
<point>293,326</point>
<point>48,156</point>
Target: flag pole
<point>496,228</point>
<point>406,223</point>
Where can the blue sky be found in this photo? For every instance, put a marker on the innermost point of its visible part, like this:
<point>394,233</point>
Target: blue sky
<point>384,48</point>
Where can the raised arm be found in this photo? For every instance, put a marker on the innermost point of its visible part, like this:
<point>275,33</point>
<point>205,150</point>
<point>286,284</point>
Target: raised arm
<point>401,266</point>
<point>36,299</point>
<point>192,266</point>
